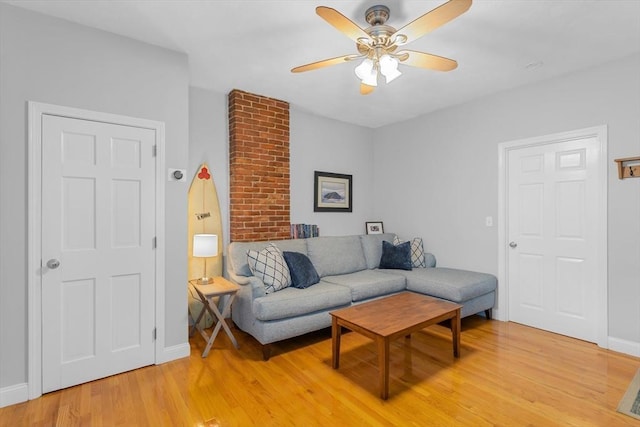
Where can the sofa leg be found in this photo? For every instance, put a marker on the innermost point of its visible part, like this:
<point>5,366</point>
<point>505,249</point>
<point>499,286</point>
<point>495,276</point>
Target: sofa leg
<point>488,313</point>
<point>266,352</point>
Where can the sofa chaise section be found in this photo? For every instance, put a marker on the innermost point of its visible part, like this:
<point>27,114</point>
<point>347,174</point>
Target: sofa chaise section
<point>473,290</point>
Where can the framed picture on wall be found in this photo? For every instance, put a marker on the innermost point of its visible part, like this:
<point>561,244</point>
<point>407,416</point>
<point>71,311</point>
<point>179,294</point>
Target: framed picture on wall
<point>374,227</point>
<point>332,192</point>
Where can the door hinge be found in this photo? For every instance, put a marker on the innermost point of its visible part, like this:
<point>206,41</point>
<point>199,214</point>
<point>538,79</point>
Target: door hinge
<point>154,333</point>
<point>154,150</point>
<point>154,242</point>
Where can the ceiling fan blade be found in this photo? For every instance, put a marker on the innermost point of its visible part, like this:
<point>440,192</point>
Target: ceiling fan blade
<point>342,24</point>
<point>432,20</point>
<point>324,63</point>
<point>366,89</point>
<point>426,60</point>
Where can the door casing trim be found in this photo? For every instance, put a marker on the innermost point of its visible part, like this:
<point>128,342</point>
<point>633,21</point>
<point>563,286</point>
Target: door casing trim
<point>34,227</point>
<point>600,132</point>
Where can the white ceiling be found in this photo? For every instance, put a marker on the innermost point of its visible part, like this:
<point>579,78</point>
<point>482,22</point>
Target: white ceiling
<point>252,45</point>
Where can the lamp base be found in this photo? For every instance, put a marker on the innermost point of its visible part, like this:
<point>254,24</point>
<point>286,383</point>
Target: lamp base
<point>205,280</point>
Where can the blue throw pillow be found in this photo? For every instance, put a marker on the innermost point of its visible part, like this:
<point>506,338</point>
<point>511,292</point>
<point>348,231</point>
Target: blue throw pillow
<point>396,257</point>
<point>303,273</point>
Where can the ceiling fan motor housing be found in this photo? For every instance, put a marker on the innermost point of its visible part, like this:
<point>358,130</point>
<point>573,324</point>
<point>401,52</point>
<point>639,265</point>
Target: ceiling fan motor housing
<point>380,33</point>
<point>377,15</point>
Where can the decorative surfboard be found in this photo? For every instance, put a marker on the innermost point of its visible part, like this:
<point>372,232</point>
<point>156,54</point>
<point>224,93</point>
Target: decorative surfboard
<point>204,218</point>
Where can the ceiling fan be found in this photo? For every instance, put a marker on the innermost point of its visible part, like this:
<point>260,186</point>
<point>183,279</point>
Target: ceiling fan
<point>378,45</point>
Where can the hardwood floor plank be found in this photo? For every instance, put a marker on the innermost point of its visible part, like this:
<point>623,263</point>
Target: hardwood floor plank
<point>507,375</point>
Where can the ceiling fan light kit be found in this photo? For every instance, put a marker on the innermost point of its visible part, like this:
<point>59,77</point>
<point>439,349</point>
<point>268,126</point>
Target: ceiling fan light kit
<point>367,73</point>
<point>378,44</point>
<point>389,68</point>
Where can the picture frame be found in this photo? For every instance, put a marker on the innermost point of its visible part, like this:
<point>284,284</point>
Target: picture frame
<point>374,227</point>
<point>333,192</point>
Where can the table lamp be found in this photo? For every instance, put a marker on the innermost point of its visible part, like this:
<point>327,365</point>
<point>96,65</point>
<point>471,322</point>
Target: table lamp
<point>205,246</point>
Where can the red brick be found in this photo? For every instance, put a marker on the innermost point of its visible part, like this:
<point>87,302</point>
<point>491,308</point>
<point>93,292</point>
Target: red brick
<point>259,167</point>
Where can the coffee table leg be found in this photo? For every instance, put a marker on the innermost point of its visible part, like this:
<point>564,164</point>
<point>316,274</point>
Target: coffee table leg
<point>383,366</point>
<point>455,332</point>
<point>336,331</point>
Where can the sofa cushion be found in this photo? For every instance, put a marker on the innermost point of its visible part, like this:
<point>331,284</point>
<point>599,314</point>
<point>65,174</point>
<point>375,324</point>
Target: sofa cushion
<point>417,251</point>
<point>448,283</point>
<point>429,260</point>
<point>237,253</point>
<point>292,302</point>
<point>336,255</point>
<point>367,284</point>
<point>372,247</point>
<point>396,257</point>
<point>269,266</point>
<point>303,273</point>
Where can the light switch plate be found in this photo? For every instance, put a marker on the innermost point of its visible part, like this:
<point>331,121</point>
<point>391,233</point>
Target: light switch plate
<point>488,221</point>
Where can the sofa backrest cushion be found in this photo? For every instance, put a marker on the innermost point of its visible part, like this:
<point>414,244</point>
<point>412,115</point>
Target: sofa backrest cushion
<point>237,253</point>
<point>372,247</point>
<point>429,260</point>
<point>336,255</point>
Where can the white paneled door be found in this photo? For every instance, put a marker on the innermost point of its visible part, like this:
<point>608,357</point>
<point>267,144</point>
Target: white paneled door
<point>98,284</point>
<point>553,204</point>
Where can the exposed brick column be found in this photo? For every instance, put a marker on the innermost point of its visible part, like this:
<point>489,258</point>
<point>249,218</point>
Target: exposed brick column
<point>258,167</point>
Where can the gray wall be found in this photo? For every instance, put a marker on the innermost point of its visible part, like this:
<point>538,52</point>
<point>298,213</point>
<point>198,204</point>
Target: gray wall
<point>439,173</point>
<point>316,143</point>
<point>209,143</point>
<point>321,144</point>
<point>49,60</point>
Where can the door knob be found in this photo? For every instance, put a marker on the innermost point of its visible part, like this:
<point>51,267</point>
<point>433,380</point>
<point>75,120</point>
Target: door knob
<point>513,245</point>
<point>53,263</point>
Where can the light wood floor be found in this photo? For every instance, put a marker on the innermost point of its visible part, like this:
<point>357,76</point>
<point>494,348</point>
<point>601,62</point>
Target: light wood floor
<point>507,375</point>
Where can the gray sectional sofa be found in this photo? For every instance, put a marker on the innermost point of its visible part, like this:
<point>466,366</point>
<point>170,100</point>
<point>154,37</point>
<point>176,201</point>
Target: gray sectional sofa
<point>349,274</point>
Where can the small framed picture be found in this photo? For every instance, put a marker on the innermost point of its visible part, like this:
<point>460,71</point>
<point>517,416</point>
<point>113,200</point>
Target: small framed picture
<point>374,227</point>
<point>332,192</point>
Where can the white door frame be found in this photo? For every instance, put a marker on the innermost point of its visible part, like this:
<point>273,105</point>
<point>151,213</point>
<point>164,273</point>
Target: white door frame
<point>599,132</point>
<point>34,229</point>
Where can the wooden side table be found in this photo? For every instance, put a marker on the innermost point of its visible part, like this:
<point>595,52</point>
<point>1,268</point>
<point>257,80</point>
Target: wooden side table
<point>219,287</point>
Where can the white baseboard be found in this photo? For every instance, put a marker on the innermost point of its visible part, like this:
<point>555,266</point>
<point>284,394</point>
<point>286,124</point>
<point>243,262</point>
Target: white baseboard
<point>13,394</point>
<point>173,353</point>
<point>19,393</point>
<point>498,315</point>
<point>624,346</point>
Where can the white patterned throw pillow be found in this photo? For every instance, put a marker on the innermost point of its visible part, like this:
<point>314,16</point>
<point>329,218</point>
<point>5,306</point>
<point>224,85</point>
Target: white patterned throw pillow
<point>417,251</point>
<point>269,266</point>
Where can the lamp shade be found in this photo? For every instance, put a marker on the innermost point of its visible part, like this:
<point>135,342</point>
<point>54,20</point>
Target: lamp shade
<point>205,245</point>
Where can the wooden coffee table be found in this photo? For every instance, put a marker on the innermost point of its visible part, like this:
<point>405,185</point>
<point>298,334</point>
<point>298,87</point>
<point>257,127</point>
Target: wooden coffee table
<point>386,319</point>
